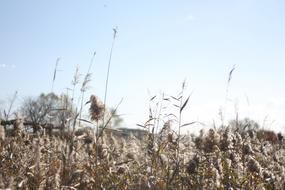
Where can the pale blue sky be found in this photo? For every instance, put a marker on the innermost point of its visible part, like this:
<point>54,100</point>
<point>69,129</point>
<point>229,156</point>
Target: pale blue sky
<point>159,44</point>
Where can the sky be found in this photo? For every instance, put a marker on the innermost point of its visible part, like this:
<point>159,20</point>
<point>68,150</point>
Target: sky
<point>159,44</point>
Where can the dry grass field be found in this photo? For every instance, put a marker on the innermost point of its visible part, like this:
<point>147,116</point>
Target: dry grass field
<point>237,156</point>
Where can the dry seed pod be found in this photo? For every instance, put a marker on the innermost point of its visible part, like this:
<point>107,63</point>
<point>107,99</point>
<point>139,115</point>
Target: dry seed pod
<point>130,155</point>
<point>96,109</point>
<point>18,127</point>
<point>253,165</point>
<point>102,150</point>
<point>247,149</point>
<point>2,133</point>
<point>122,169</point>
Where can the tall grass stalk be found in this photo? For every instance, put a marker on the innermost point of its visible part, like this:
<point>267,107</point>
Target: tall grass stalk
<point>227,91</point>
<point>74,82</point>
<point>84,86</point>
<point>181,107</point>
<point>115,31</point>
<point>54,73</point>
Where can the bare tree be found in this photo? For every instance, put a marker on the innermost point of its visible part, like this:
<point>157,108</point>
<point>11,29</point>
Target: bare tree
<point>47,108</point>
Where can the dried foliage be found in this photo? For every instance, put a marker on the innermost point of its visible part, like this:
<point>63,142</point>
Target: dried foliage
<point>215,160</point>
<point>237,156</point>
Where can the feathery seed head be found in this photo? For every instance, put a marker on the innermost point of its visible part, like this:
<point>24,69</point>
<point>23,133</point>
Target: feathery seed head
<point>96,108</point>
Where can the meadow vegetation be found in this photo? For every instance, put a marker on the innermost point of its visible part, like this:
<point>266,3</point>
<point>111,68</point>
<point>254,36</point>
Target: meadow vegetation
<point>47,143</point>
<point>50,151</point>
